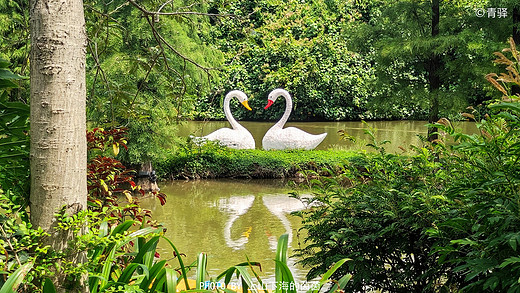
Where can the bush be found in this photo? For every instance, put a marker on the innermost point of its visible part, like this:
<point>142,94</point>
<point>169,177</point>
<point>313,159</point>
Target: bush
<point>446,219</point>
<point>215,161</point>
<point>376,215</point>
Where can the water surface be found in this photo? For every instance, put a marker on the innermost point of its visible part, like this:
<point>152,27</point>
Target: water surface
<point>400,134</point>
<point>228,220</point>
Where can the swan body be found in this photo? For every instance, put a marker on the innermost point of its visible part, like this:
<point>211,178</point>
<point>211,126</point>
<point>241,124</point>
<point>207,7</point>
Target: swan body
<point>278,138</point>
<point>237,137</point>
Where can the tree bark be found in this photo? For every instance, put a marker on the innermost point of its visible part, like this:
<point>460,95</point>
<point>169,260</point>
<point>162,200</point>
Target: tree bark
<point>433,75</point>
<point>58,119</point>
<point>146,177</point>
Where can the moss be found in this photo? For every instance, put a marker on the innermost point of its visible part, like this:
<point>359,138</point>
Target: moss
<point>212,161</point>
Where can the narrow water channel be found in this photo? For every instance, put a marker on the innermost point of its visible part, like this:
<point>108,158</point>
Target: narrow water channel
<point>229,220</point>
<point>400,134</point>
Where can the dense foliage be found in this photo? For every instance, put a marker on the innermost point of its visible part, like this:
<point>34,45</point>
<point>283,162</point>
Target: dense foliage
<point>445,219</point>
<point>14,138</point>
<point>350,60</point>
<point>299,46</point>
<point>215,161</point>
<point>144,72</point>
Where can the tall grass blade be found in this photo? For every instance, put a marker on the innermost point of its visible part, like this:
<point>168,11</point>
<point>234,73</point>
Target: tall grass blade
<point>128,272</point>
<point>202,262</point>
<point>16,278</point>
<point>341,283</point>
<point>247,281</point>
<point>171,280</point>
<point>282,272</point>
<point>285,283</point>
<point>181,263</point>
<point>148,281</point>
<point>107,266</point>
<point>158,281</point>
<point>146,252</point>
<point>326,277</point>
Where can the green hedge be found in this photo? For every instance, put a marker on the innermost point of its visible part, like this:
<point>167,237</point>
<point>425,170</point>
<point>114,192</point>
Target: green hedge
<point>213,161</point>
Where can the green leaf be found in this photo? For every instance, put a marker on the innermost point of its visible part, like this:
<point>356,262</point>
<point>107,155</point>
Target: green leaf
<point>330,272</point>
<point>121,228</point>
<point>16,278</point>
<point>146,252</point>
<point>171,280</point>
<point>181,263</point>
<point>48,286</point>
<point>7,74</point>
<point>202,261</point>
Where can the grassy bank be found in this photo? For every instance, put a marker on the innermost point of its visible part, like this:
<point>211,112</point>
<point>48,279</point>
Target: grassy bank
<point>212,161</point>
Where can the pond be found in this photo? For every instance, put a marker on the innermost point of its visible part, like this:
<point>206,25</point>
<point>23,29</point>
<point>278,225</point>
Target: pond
<point>401,134</point>
<point>235,220</point>
<point>229,220</point>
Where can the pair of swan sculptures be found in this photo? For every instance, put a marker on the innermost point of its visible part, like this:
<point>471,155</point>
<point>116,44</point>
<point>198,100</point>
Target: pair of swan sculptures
<point>276,138</point>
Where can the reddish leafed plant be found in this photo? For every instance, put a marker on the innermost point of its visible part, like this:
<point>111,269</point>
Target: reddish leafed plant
<point>110,183</point>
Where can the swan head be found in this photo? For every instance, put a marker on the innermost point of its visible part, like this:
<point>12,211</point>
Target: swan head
<point>241,96</point>
<point>274,94</point>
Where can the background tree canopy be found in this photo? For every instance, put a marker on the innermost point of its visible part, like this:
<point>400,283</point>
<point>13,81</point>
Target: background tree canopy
<point>346,60</point>
<point>341,60</point>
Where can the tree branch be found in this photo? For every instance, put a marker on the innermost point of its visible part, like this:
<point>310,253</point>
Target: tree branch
<point>152,13</point>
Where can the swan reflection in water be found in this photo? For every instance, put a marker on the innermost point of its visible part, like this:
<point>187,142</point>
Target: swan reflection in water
<point>236,206</point>
<point>278,205</point>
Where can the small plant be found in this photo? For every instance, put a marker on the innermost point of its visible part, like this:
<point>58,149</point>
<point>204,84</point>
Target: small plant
<point>506,81</point>
<point>108,178</point>
<point>284,280</point>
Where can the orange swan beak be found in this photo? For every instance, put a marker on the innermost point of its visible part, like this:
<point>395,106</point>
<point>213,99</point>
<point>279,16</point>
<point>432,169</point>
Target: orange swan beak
<point>246,104</point>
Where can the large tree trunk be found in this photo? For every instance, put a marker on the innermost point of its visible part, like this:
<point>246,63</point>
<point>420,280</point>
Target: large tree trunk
<point>58,120</point>
<point>433,75</point>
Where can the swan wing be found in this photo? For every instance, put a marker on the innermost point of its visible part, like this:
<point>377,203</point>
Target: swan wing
<point>291,138</point>
<point>239,138</point>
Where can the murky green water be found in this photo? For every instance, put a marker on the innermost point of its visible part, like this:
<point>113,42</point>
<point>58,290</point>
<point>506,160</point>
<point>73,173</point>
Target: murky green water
<point>228,220</point>
<point>399,133</point>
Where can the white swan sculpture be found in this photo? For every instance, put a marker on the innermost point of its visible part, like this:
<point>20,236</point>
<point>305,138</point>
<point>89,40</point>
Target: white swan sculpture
<point>238,137</point>
<point>277,138</point>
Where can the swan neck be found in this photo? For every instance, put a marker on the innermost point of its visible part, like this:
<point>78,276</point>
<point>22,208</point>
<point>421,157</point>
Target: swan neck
<point>287,113</point>
<point>227,112</point>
